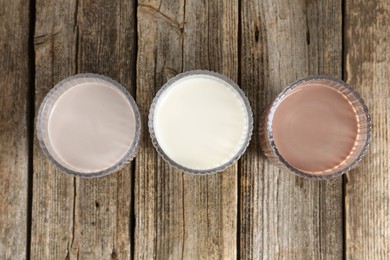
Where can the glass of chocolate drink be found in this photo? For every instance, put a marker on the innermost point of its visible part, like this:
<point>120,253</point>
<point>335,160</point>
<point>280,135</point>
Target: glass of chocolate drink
<point>317,127</point>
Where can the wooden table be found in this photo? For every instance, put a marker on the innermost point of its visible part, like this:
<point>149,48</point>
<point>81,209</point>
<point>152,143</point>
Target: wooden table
<point>150,210</point>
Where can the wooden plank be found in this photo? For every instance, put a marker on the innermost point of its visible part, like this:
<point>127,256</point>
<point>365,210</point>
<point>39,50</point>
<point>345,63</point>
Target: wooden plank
<point>181,216</point>
<point>106,46</point>
<point>76,218</point>
<point>53,191</point>
<point>14,84</point>
<point>283,216</point>
<point>367,68</point>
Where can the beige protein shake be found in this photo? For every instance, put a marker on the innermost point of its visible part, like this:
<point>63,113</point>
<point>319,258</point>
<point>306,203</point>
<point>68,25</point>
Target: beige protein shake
<point>89,125</point>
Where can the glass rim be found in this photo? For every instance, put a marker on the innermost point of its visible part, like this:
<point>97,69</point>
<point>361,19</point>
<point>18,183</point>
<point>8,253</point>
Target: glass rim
<point>169,160</point>
<point>131,152</point>
<point>284,93</point>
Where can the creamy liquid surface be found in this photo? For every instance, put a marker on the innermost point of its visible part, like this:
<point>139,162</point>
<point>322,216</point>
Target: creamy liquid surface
<point>315,128</point>
<point>91,126</point>
<point>200,122</point>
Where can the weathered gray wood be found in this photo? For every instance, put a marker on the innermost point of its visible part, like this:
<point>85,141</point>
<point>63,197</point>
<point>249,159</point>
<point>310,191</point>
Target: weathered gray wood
<point>53,191</point>
<point>367,68</point>
<point>181,216</point>
<point>283,216</point>
<point>75,218</point>
<point>106,46</point>
<point>14,84</point>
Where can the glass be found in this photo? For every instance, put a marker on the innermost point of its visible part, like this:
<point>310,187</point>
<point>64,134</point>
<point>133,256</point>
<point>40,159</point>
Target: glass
<point>363,129</point>
<point>44,117</point>
<point>199,74</point>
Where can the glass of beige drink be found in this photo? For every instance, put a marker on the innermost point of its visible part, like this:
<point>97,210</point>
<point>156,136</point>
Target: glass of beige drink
<point>89,126</point>
<point>317,127</point>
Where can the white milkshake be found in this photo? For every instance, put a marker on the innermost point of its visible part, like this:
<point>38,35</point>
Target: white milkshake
<point>201,121</point>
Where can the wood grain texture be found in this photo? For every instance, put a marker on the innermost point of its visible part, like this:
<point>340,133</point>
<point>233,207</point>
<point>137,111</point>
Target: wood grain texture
<point>181,216</point>
<point>283,216</point>
<point>14,88</point>
<point>77,218</point>
<point>367,68</point>
<point>53,191</point>
<point>106,46</point>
